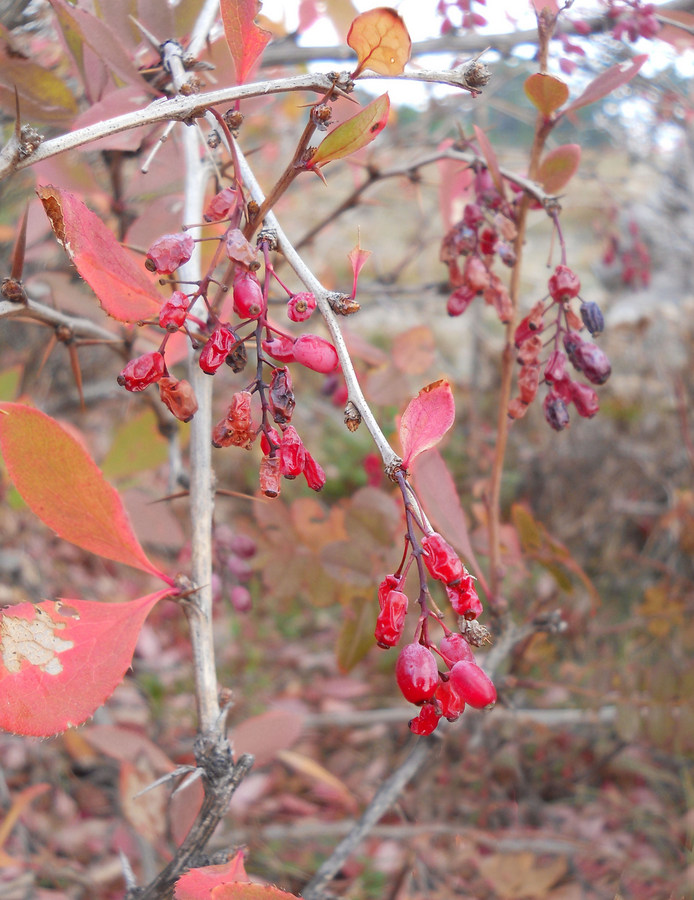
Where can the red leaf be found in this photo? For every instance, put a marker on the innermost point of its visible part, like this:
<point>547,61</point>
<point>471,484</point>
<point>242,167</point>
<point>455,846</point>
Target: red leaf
<point>122,288</point>
<point>426,419</point>
<point>436,488</point>
<point>381,41</point>
<point>250,892</point>
<point>608,81</point>
<point>490,158</point>
<point>357,258</point>
<point>246,40</point>
<point>63,486</point>
<point>197,884</point>
<point>353,134</point>
<point>61,659</point>
<point>558,167</point>
<point>546,92</point>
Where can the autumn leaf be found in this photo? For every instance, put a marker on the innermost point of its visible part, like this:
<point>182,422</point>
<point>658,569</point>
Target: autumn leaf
<point>353,134</point>
<point>357,258</point>
<point>559,167</point>
<point>249,892</point>
<point>436,487</point>
<point>381,41</point>
<point>61,659</point>
<point>546,92</point>
<point>426,419</point>
<point>64,487</point>
<point>197,884</point>
<point>608,81</point>
<point>246,40</point>
<point>122,288</point>
<point>490,158</point>
<point>20,802</point>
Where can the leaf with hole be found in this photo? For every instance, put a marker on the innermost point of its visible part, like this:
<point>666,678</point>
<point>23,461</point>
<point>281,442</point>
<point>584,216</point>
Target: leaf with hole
<point>353,134</point>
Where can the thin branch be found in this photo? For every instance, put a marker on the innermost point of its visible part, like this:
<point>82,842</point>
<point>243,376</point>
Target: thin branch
<point>46,315</point>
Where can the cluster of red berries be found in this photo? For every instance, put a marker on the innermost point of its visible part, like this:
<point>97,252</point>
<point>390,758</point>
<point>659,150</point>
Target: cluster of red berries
<point>484,232</point>
<point>633,20</point>
<point>568,347</point>
<point>438,694</point>
<point>221,342</point>
<point>629,257</point>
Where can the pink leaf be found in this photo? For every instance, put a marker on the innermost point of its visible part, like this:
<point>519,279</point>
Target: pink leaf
<point>63,486</point>
<point>122,288</point>
<point>250,892</point>
<point>61,659</point>
<point>436,488</point>
<point>197,884</point>
<point>490,158</point>
<point>426,419</point>
<point>246,40</point>
<point>353,134</point>
<point>357,258</point>
<point>559,167</point>
<point>608,81</point>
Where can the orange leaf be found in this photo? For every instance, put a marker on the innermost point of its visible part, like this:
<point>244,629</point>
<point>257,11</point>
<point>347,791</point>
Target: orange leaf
<point>381,41</point>
<point>249,892</point>
<point>121,287</point>
<point>61,659</point>
<point>197,884</point>
<point>246,40</point>
<point>64,487</point>
<point>546,92</point>
<point>20,802</point>
<point>353,134</point>
<point>426,419</point>
<point>559,167</point>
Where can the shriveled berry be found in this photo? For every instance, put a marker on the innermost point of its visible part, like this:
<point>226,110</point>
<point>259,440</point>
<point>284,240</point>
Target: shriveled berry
<point>592,317</point>
<point>584,399</point>
<point>292,453</point>
<point>416,673</point>
<point>454,648</point>
<point>507,254</point>
<point>220,205</point>
<point>441,560</point>
<point>459,300</point>
<point>427,720</point>
<point>564,284</point>
<point>529,352</point>
<point>238,357</point>
<point>463,597</point>
<point>274,437</point>
<point>315,353</point>
<point>249,302</point>
<point>555,368</point>
<point>270,476</point>
<point>473,215</point>
<point>391,619</point>
<point>281,396</point>
<point>313,473</point>
<point>473,684</point>
<point>488,241</point>
<point>476,274</point>
<point>217,348</point>
<point>528,382</point>
<point>300,306</point>
<point>178,397</point>
<point>141,372</point>
<point>450,701</point>
<point>168,252</point>
<point>517,408</point>
<point>280,348</point>
<point>592,361</point>
<point>555,411</point>
<point>236,429</point>
<point>173,312</point>
<point>389,583</point>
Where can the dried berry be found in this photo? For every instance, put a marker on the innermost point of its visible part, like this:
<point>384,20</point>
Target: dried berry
<point>315,353</point>
<point>141,372</point>
<point>528,382</point>
<point>450,701</point>
<point>463,597</point>
<point>416,673</point>
<point>292,453</point>
<point>217,348</point>
<point>555,411</point>
<point>270,476</point>
<point>313,473</point>
<point>237,358</point>
<point>441,559</point>
<point>592,362</point>
<point>592,317</point>
<point>584,399</point>
<point>174,310</point>
<point>281,396</point>
<point>236,429</point>
<point>427,720</point>
<point>555,368</point>
<point>220,205</point>
<point>564,284</point>
<point>476,274</point>
<point>459,300</point>
<point>168,252</point>
<point>178,397</point>
<point>473,684</point>
<point>300,306</point>
<point>391,619</point>
<point>389,583</point>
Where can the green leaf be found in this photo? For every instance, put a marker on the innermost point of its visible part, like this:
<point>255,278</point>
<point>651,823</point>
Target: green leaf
<point>353,134</point>
<point>356,635</point>
<point>546,92</point>
<point>137,446</point>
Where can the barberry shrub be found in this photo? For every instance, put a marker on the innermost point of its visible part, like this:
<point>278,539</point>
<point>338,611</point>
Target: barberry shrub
<point>211,289</point>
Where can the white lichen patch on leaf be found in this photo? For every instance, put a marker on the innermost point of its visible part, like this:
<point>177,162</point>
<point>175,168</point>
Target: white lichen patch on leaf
<point>35,641</point>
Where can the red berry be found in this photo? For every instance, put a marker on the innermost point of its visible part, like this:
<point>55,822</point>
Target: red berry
<point>528,382</point>
<point>530,349</point>
<point>249,302</point>
<point>168,252</point>
<point>454,648</point>
<point>178,397</point>
<point>281,396</point>
<point>426,721</point>
<point>240,598</point>
<point>280,348</point>
<point>236,428</point>
<point>476,274</point>
<point>555,369</point>
<point>265,443</point>
<point>217,348</point>
<point>488,241</point>
<point>292,453</point>
<point>564,284</point>
<point>473,215</point>
<point>270,476</point>
<point>441,559</point>
<point>416,673</point>
<point>389,583</point>
<point>592,362</point>
<point>141,372</point>
<point>315,353</point>
<point>173,312</point>
<point>391,619</point>
<point>220,205</point>
<point>473,684</point>
<point>584,399</point>
<point>452,704</point>
<point>313,473</point>
<point>459,300</point>
<point>300,306</point>
<point>463,597</point>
